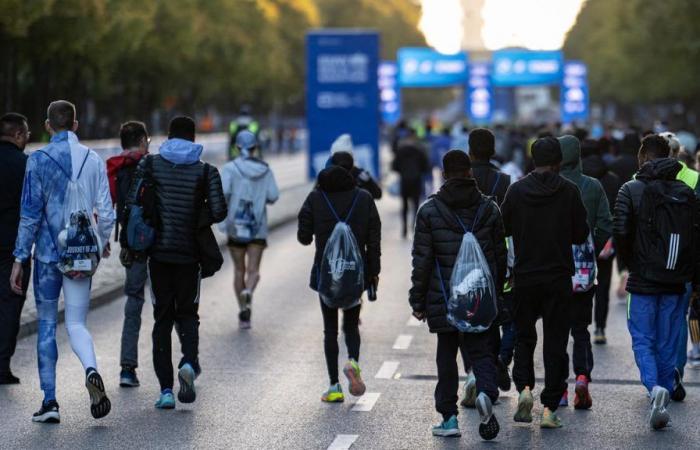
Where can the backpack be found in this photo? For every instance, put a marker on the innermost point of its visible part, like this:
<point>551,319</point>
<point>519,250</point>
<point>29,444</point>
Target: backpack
<point>664,240</point>
<point>585,266</point>
<point>245,224</point>
<point>210,257</point>
<point>472,301</point>
<point>143,215</point>
<point>341,273</point>
<point>79,247</point>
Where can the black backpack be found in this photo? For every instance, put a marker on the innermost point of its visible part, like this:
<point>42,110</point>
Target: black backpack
<point>665,241</point>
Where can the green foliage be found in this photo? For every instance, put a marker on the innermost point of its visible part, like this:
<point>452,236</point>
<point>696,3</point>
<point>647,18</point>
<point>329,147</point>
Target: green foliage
<point>119,59</point>
<point>639,51</point>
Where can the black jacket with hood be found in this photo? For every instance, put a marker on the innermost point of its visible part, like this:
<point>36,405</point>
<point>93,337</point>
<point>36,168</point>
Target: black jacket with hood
<point>13,162</point>
<point>317,221</point>
<point>595,167</point>
<point>438,238</point>
<point>544,214</point>
<point>490,180</point>
<point>624,229</point>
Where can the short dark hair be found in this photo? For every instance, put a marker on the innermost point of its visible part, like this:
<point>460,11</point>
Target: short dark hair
<point>11,123</point>
<point>455,162</point>
<point>655,147</point>
<point>132,133</point>
<point>181,127</point>
<point>482,144</point>
<point>61,114</point>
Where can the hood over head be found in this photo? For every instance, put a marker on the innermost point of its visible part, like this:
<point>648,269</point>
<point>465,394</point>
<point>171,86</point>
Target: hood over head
<point>459,193</point>
<point>181,151</point>
<point>659,169</point>
<point>335,179</point>
<point>538,188</point>
<point>251,167</point>
<point>571,157</point>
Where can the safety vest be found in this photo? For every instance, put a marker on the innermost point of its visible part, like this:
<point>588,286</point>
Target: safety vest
<point>689,177</point>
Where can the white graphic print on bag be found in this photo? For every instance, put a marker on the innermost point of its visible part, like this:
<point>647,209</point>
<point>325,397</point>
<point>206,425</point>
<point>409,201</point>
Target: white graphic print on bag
<point>244,221</point>
<point>79,246</point>
<point>585,268</point>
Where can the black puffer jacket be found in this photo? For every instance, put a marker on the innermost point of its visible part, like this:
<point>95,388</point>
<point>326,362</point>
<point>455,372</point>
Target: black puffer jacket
<point>180,193</point>
<point>625,223</point>
<point>595,167</point>
<point>490,181</point>
<point>439,238</point>
<point>316,220</point>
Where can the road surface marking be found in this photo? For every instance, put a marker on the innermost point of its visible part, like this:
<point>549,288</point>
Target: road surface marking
<point>343,441</point>
<point>403,341</point>
<point>386,372</point>
<point>413,322</point>
<point>366,402</point>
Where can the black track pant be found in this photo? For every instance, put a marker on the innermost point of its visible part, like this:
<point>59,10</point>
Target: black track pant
<point>602,294</point>
<point>351,330</point>
<point>581,317</point>
<point>11,306</point>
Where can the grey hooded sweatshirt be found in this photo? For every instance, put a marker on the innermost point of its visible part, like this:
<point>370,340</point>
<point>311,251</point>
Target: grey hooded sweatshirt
<point>249,186</point>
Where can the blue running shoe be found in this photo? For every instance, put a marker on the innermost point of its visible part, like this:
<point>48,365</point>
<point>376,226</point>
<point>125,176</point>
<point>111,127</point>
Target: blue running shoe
<point>186,376</point>
<point>448,428</point>
<point>166,400</point>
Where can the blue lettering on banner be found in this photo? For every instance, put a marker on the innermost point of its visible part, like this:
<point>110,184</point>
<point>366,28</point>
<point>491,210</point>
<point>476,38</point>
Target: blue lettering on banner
<point>574,92</point>
<point>480,93</point>
<point>425,67</point>
<point>525,67</point>
<point>389,93</point>
<point>342,95</point>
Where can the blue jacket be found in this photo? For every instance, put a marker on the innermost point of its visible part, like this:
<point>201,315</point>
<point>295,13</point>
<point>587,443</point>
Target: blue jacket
<point>43,195</point>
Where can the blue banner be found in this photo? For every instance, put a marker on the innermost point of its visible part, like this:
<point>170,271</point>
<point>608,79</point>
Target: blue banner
<point>342,95</point>
<point>574,92</point>
<point>523,67</point>
<point>425,67</point>
<point>389,92</point>
<point>479,96</point>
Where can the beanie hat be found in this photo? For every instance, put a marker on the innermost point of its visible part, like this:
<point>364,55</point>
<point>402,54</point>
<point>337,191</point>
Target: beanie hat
<point>342,144</point>
<point>342,159</point>
<point>546,152</point>
<point>455,161</point>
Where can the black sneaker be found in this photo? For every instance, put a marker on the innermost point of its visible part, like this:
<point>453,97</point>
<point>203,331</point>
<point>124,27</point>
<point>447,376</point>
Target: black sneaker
<point>489,427</point>
<point>99,403</point>
<point>504,381</point>
<point>678,394</point>
<point>244,319</point>
<point>128,378</point>
<point>8,378</point>
<point>48,413</point>
<point>599,337</point>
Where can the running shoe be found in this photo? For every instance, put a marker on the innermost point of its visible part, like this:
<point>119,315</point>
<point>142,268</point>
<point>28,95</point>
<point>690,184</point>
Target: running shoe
<point>469,398</point>
<point>504,381</point>
<point>564,402</point>
<point>99,403</point>
<point>48,413</point>
<point>525,404</point>
<point>353,373</point>
<point>166,400</point>
<point>8,378</point>
<point>658,416</point>
<point>488,428</point>
<point>334,394</point>
<point>583,398</point>
<point>186,376</point>
<point>599,337</point>
<point>694,360</point>
<point>678,394</point>
<point>448,428</point>
<point>128,378</point>
<point>550,419</point>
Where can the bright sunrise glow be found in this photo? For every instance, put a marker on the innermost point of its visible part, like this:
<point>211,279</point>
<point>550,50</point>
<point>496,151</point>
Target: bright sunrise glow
<point>533,24</point>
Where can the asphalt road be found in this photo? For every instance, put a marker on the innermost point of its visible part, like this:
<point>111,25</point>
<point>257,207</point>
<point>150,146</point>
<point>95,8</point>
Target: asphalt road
<point>261,388</point>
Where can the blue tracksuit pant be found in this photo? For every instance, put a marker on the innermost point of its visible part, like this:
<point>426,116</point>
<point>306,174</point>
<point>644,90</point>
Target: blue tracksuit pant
<point>682,357</point>
<point>654,322</point>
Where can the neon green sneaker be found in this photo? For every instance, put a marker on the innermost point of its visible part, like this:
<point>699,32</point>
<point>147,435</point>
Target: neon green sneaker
<point>352,371</point>
<point>550,419</point>
<point>334,394</point>
<point>525,404</point>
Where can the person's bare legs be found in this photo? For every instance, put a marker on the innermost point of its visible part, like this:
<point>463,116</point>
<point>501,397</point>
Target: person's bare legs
<point>252,274</point>
<point>239,269</point>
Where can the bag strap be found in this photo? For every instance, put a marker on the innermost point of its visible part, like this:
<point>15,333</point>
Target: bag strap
<point>442,206</point>
<point>495,185</point>
<point>335,214</point>
<point>442,282</point>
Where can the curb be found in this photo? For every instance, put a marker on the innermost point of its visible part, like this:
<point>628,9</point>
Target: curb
<point>108,294</point>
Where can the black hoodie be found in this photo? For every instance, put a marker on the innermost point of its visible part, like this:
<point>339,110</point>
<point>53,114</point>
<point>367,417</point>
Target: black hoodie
<point>595,167</point>
<point>438,238</point>
<point>317,221</point>
<point>545,215</point>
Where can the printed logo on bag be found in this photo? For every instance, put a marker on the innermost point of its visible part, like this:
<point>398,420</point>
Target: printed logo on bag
<point>338,266</point>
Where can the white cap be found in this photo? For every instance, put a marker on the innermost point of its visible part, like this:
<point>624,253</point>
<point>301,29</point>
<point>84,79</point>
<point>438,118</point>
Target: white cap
<point>342,144</point>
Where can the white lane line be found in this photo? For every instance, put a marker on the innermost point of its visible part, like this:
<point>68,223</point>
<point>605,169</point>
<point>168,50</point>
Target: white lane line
<point>413,322</point>
<point>366,402</point>
<point>386,372</point>
<point>343,441</point>
<point>403,341</point>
